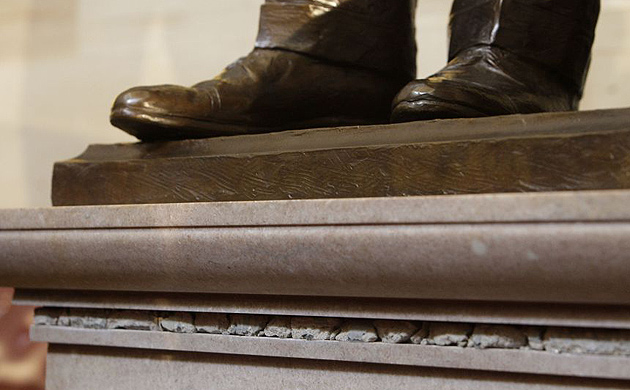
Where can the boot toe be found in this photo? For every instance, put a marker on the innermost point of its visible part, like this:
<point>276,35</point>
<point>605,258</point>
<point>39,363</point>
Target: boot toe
<point>171,99</point>
<point>426,100</point>
<point>145,112</point>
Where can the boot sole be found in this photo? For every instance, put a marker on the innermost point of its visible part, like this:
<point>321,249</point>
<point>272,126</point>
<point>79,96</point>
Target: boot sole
<point>430,109</point>
<point>148,126</point>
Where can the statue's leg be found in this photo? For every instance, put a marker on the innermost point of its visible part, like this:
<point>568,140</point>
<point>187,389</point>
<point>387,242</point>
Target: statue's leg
<point>316,63</point>
<point>507,57</point>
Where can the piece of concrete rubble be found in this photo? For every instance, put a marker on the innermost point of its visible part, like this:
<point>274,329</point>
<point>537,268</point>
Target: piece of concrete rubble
<point>534,336</point>
<point>212,323</point>
<point>133,320</point>
<point>497,336</point>
<point>395,332</point>
<point>587,341</point>
<point>47,316</point>
<point>314,328</point>
<point>177,322</point>
<point>357,331</point>
<point>84,318</point>
<point>247,325</point>
<point>421,334</point>
<point>279,327</point>
<point>447,334</point>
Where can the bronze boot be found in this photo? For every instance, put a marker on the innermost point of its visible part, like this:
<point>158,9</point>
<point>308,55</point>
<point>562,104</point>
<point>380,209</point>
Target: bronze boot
<point>507,57</point>
<point>316,63</point>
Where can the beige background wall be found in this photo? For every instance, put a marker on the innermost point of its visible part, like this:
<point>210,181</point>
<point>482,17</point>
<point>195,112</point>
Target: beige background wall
<point>62,62</point>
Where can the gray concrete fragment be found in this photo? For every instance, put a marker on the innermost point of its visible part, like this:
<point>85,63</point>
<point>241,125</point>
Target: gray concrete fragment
<point>177,322</point>
<point>587,341</point>
<point>421,334</point>
<point>213,323</point>
<point>84,318</point>
<point>497,336</point>
<point>314,328</point>
<point>133,320</point>
<point>395,332</point>
<point>247,325</point>
<point>357,331</point>
<point>447,334</point>
<point>47,316</point>
<point>535,338</point>
<point>279,327</point>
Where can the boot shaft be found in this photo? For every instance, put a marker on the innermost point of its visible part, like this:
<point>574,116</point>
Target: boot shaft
<point>373,34</point>
<point>556,34</point>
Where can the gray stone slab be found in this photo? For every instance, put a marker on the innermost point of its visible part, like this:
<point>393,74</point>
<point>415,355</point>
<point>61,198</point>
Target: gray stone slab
<point>580,341</point>
<point>279,327</point>
<point>357,331</point>
<point>395,332</point>
<point>80,368</point>
<point>314,328</point>
<point>497,360</point>
<point>82,318</point>
<point>177,322</point>
<point>482,208</point>
<point>447,334</point>
<point>497,336</point>
<point>48,316</point>
<point>212,323</point>
<point>247,325</point>
<point>133,320</point>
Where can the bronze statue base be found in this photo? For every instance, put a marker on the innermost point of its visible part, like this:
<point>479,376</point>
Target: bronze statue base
<point>519,153</point>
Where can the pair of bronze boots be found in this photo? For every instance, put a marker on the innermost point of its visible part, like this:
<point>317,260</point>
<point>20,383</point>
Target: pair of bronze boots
<point>321,63</point>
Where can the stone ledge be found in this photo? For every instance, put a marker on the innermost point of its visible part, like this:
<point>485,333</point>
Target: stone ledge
<point>491,262</point>
<point>502,360</point>
<point>583,258</point>
<point>145,369</point>
<point>574,206</point>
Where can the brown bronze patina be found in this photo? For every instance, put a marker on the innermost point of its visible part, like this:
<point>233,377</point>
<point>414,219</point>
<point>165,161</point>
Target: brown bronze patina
<point>507,57</point>
<point>320,63</point>
<point>316,63</point>
<point>571,151</point>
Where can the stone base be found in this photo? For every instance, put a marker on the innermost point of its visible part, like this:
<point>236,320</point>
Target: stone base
<point>520,153</point>
<point>565,247</point>
<point>98,368</point>
<point>536,349</point>
<point>160,349</point>
<point>504,291</point>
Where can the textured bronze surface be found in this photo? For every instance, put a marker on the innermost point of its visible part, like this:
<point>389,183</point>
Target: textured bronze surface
<point>507,57</point>
<point>316,63</point>
<point>542,152</point>
<point>330,63</point>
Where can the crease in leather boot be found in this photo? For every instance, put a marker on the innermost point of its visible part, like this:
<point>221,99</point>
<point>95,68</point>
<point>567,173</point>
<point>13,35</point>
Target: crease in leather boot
<point>316,63</point>
<point>507,57</point>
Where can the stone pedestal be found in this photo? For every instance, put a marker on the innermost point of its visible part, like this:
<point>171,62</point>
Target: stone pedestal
<point>361,283</point>
<point>480,291</point>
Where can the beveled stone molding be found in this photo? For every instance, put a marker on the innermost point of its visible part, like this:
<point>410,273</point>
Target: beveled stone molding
<point>580,253</point>
<point>503,360</point>
<point>520,313</point>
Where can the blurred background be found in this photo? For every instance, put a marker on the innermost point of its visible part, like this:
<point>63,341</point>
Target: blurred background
<point>62,62</point>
